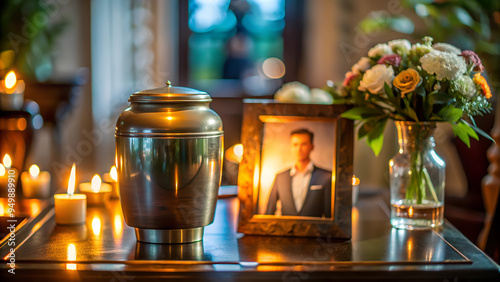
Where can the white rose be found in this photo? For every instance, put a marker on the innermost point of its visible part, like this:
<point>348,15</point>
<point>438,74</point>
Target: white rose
<point>445,47</point>
<point>375,78</point>
<point>400,46</point>
<point>362,65</point>
<point>320,96</point>
<point>379,50</point>
<point>294,92</point>
<point>443,64</point>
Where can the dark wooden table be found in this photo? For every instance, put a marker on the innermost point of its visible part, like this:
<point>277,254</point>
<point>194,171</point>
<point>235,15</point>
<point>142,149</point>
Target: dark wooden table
<point>105,249</point>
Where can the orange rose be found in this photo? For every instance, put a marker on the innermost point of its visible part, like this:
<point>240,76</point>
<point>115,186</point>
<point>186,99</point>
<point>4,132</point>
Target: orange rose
<point>407,81</point>
<point>481,81</point>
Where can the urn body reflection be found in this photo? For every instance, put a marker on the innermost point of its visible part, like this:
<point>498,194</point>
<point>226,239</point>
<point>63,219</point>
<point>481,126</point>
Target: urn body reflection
<point>169,147</point>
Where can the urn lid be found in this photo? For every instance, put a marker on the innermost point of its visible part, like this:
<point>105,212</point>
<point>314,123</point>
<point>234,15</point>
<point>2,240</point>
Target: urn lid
<point>168,94</point>
<point>172,112</point>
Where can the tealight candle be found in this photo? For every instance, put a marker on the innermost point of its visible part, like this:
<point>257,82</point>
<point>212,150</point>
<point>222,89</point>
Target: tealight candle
<point>98,193</point>
<point>11,93</point>
<point>70,208</point>
<point>355,189</point>
<point>112,179</point>
<point>36,183</point>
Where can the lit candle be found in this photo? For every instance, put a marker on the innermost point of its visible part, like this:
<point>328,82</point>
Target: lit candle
<point>98,193</point>
<point>112,179</point>
<point>11,93</point>
<point>36,183</point>
<point>70,208</point>
<point>355,189</point>
<point>6,172</point>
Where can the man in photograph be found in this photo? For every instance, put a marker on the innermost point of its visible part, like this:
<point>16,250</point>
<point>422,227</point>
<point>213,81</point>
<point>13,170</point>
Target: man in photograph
<point>304,189</point>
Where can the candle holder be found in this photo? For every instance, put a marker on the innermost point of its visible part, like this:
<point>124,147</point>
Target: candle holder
<point>96,197</point>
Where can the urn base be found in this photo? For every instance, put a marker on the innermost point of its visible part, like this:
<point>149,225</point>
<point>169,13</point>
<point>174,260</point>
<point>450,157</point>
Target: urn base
<point>169,236</point>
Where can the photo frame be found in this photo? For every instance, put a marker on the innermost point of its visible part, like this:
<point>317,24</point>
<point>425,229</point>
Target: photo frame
<point>260,118</point>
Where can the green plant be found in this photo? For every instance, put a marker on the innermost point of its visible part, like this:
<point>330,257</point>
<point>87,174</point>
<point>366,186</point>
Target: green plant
<point>28,31</point>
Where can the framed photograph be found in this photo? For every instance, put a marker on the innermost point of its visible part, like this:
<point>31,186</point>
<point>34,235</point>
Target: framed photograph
<point>295,178</point>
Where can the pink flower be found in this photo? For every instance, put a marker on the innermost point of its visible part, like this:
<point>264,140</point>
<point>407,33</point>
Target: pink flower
<point>349,77</point>
<point>471,58</point>
<point>393,60</point>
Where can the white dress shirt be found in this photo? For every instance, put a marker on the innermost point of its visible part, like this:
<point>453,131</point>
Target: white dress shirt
<point>300,184</point>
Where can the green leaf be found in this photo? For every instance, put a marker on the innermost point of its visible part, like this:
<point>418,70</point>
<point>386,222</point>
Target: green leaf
<point>450,113</point>
<point>440,98</point>
<point>468,129</point>
<point>409,111</point>
<point>359,113</point>
<point>461,133</point>
<point>420,91</point>
<point>479,131</point>
<point>375,138</point>
<point>388,90</point>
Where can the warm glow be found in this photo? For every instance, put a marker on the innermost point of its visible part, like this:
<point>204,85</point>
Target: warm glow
<point>2,170</point>
<point>2,210</point>
<point>96,183</point>
<point>71,182</point>
<point>96,226</point>
<point>10,80</point>
<point>170,118</point>
<point>238,150</point>
<point>118,226</point>
<point>410,212</point>
<point>234,153</point>
<point>391,163</point>
<point>273,68</point>
<point>34,171</point>
<point>355,180</point>
<point>35,208</point>
<point>113,173</point>
<point>7,162</point>
<point>71,256</point>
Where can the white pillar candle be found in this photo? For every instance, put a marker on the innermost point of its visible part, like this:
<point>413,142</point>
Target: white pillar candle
<point>112,179</point>
<point>36,183</point>
<point>97,193</point>
<point>71,208</point>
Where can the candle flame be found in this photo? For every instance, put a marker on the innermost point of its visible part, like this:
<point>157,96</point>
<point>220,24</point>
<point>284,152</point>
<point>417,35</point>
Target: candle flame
<point>2,170</point>
<point>355,180</point>
<point>113,173</point>
<point>71,182</point>
<point>10,80</point>
<point>7,162</point>
<point>96,183</point>
<point>34,171</point>
<point>71,256</point>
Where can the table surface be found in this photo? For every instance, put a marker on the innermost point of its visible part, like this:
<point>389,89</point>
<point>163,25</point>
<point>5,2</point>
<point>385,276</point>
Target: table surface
<point>105,249</point>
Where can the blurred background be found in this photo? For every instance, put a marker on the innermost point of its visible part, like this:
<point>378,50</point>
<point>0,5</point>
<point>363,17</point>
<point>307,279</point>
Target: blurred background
<point>81,60</point>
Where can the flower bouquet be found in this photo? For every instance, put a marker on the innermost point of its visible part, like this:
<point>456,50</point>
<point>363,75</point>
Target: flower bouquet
<point>415,85</point>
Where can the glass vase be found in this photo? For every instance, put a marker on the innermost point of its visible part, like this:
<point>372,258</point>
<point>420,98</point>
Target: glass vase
<point>417,176</point>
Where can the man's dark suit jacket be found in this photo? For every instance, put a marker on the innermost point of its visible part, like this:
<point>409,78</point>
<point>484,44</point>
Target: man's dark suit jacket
<point>318,200</point>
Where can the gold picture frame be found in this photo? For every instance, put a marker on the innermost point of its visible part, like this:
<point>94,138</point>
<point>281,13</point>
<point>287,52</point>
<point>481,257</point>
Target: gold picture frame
<point>257,114</point>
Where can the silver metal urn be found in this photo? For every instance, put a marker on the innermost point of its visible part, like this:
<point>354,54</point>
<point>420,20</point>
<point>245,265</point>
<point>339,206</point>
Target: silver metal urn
<point>169,147</point>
